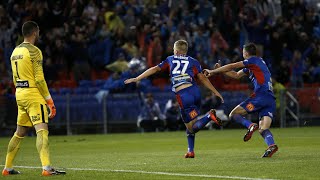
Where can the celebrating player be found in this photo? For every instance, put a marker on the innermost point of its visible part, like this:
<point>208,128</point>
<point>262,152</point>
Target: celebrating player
<point>33,98</point>
<point>184,70</point>
<point>261,101</point>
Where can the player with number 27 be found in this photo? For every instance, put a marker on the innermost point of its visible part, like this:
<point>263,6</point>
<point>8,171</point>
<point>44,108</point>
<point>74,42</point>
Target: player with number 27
<point>184,71</point>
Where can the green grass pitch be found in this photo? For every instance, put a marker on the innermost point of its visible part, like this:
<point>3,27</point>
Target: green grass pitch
<point>219,154</point>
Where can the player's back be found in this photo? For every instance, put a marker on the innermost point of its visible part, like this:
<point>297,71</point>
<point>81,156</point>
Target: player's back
<point>183,69</point>
<point>23,60</point>
<point>259,75</point>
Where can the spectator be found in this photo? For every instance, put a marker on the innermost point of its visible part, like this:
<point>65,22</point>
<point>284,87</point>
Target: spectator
<point>283,72</point>
<point>151,117</point>
<point>154,50</point>
<point>113,84</point>
<point>210,102</point>
<point>173,116</point>
<point>279,90</point>
<point>82,36</point>
<point>120,65</point>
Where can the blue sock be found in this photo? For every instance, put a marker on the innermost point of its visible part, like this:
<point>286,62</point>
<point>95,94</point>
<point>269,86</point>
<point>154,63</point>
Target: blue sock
<point>241,120</point>
<point>268,137</point>
<point>199,124</point>
<point>190,137</point>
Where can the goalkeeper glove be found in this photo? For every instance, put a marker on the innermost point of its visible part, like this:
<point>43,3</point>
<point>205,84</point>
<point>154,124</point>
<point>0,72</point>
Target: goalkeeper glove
<point>51,107</point>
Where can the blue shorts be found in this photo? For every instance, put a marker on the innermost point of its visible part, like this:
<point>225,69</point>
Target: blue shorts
<point>265,105</point>
<point>189,100</point>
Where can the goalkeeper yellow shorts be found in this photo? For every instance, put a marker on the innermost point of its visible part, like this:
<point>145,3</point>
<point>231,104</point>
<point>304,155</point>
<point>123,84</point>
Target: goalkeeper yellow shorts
<point>32,109</point>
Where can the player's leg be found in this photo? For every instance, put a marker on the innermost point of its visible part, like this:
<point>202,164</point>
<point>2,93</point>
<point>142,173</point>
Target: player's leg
<point>186,103</point>
<point>267,114</point>
<point>242,109</point>
<point>195,125</point>
<point>23,122</point>
<point>237,114</point>
<point>266,134</point>
<point>190,101</point>
<point>13,148</point>
<point>39,115</point>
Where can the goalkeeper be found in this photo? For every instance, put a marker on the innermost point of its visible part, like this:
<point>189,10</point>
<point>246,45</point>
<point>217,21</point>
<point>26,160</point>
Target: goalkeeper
<point>33,98</point>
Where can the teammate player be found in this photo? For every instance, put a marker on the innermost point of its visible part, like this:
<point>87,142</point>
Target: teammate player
<point>32,98</point>
<point>184,70</point>
<point>261,101</point>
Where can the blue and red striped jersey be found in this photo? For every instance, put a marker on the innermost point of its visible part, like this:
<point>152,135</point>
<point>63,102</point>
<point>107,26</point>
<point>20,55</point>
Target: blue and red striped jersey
<point>259,75</point>
<point>182,69</point>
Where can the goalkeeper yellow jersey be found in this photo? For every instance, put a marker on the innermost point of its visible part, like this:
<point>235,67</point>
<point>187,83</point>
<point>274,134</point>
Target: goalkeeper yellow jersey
<point>27,71</point>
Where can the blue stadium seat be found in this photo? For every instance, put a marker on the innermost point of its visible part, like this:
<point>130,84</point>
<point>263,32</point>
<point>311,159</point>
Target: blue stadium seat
<point>86,83</point>
<point>93,90</point>
<point>81,90</point>
<point>64,91</point>
<point>99,83</point>
<point>53,91</point>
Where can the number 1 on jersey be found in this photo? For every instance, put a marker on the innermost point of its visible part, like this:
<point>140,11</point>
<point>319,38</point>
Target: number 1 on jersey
<point>177,70</point>
<point>16,63</point>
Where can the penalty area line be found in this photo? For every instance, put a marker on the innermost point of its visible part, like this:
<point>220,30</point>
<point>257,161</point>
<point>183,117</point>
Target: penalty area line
<point>150,172</point>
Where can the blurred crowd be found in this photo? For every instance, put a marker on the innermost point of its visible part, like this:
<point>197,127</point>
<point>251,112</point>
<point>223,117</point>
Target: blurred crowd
<point>80,37</point>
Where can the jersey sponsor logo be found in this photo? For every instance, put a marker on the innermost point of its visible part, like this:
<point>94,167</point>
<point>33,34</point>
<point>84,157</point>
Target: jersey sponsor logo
<point>22,84</point>
<point>35,118</point>
<point>193,114</point>
<point>181,78</point>
<point>250,107</point>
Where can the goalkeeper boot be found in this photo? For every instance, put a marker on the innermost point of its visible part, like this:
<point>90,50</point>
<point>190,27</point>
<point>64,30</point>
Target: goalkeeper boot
<point>270,151</point>
<point>189,155</point>
<point>252,128</point>
<point>52,172</point>
<point>5,172</point>
<point>214,117</point>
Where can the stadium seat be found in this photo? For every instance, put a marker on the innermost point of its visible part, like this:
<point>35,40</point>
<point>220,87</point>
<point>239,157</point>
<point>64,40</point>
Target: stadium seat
<point>64,91</point>
<point>81,90</point>
<point>53,91</point>
<point>85,83</point>
<point>93,90</point>
<point>99,82</point>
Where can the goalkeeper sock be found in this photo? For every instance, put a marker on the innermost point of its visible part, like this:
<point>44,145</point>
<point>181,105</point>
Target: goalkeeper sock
<point>241,120</point>
<point>191,138</point>
<point>43,147</point>
<point>199,124</point>
<point>13,148</point>
<point>268,137</point>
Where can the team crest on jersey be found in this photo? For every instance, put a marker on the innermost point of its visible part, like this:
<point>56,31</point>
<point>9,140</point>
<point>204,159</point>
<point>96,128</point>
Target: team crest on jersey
<point>250,107</point>
<point>193,114</point>
<point>35,118</point>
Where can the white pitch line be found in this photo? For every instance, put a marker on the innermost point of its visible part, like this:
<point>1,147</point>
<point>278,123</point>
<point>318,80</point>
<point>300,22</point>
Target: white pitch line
<point>151,172</point>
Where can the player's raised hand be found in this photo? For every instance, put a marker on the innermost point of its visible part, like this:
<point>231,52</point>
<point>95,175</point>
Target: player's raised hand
<point>131,80</point>
<point>207,72</point>
<point>217,65</point>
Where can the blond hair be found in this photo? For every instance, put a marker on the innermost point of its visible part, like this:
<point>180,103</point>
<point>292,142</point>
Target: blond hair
<point>181,46</point>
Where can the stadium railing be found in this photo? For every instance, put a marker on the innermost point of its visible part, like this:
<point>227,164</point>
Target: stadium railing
<point>82,113</point>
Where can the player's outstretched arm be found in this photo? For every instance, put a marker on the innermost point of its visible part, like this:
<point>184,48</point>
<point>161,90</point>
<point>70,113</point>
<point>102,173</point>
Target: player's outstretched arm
<point>232,74</point>
<point>235,75</point>
<point>205,81</point>
<point>145,74</point>
<point>223,69</point>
